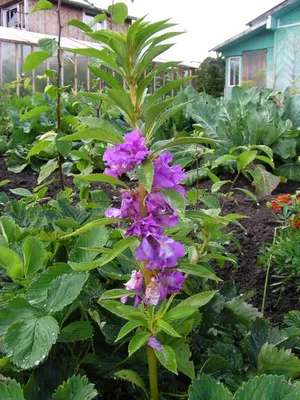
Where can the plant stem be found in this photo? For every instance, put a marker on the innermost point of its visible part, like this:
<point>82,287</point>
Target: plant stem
<point>58,107</point>
<point>152,360</point>
<point>267,275</point>
<point>230,189</point>
<point>152,365</point>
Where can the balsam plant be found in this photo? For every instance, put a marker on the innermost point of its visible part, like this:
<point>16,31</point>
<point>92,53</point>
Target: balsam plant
<point>157,202</point>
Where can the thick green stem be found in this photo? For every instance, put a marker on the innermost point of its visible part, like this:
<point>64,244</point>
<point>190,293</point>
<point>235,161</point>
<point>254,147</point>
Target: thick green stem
<point>152,365</point>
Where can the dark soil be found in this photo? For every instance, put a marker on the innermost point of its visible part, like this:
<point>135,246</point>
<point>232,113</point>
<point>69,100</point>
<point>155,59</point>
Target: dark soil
<point>259,226</point>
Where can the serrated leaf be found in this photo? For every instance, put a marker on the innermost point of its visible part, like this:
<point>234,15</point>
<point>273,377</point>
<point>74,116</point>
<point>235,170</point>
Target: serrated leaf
<point>163,145</point>
<point>118,248</point>
<point>275,360</point>
<point>92,225</point>
<point>101,178</point>
<point>104,132</point>
<point>183,354</point>
<point>145,174</point>
<point>28,342</point>
<point>117,294</point>
<point>244,312</point>
<point>137,341</point>
<point>49,45</point>
<point>207,388</point>
<point>10,389</point>
<point>75,388</point>
<point>11,262</point>
<point>167,358</point>
<point>123,311</point>
<point>175,200</point>
<point>132,377</point>
<point>34,254</point>
<point>63,290</point>
<point>78,330</point>
<point>267,387</point>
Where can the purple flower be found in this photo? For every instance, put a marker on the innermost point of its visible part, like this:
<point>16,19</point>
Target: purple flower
<point>154,343</point>
<point>123,157</point>
<point>130,207</point>
<point>152,294</point>
<point>169,282</point>
<point>135,283</point>
<point>167,176</point>
<point>143,226</point>
<point>159,251</point>
<point>158,207</point>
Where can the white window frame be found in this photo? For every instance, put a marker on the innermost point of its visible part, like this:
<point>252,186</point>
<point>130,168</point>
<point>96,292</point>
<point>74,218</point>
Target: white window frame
<point>98,26</point>
<point>240,70</point>
<point>11,7</point>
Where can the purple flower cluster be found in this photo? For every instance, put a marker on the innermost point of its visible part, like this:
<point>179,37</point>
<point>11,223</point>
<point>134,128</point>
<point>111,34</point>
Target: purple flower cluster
<point>158,251</point>
<point>123,157</point>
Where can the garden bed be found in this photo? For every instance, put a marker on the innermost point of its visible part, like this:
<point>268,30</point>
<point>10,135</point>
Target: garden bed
<point>259,227</point>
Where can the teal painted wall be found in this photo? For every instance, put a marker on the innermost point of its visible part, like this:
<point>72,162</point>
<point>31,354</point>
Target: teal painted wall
<point>290,18</point>
<point>287,66</point>
<point>263,40</point>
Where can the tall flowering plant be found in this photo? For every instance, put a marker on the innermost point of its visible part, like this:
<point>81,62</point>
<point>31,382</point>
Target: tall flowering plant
<point>154,205</point>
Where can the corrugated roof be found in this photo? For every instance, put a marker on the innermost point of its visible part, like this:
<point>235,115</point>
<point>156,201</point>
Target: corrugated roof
<point>32,38</point>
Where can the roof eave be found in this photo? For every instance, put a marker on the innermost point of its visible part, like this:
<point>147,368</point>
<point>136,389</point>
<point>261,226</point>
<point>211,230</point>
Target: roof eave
<point>238,36</point>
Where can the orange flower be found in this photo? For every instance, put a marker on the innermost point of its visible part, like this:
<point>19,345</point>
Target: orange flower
<point>285,198</point>
<point>295,224</point>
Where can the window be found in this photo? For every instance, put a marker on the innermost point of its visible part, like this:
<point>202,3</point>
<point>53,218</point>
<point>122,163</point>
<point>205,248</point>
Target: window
<point>89,20</point>
<point>14,16</point>
<point>234,69</point>
<point>254,68</point>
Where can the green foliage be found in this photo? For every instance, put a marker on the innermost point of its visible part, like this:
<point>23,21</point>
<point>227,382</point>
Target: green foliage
<point>211,77</point>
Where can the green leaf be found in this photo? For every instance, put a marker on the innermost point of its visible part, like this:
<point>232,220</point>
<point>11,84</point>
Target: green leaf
<point>48,45</point>
<point>117,294</point>
<point>183,354</point>
<point>264,181</point>
<point>217,186</point>
<point>16,309</point>
<point>47,170</point>
<point>137,341</point>
<point>21,192</point>
<point>38,147</point>
<point>11,262</point>
<point>197,300</point>
<point>244,312</point>
<point>273,360</point>
<point>165,144</point>
<point>92,225</point>
<point>33,60</point>
<point>248,193</point>
<point>207,388</point>
<point>28,342</point>
<point>119,13</point>
<point>35,111</point>
<point>63,290</point>
<point>104,132</point>
<point>95,237</point>
<point>108,78</point>
<point>266,160</point>
<point>167,358</point>
<point>10,389</point>
<point>268,387</point>
<point>123,101</point>
<point>81,25</point>
<point>76,331</point>
<point>37,291</point>
<point>179,313</point>
<point>175,200</point>
<point>167,328</point>
<point>145,174</point>
<point>75,388</point>
<point>42,5</point>
<point>132,377</point>
<point>34,254</point>
<point>64,148</point>
<point>118,248</point>
<point>290,171</point>
<point>198,270</point>
<point>123,311</point>
<point>245,158</point>
<point>101,178</point>
<point>128,327</point>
